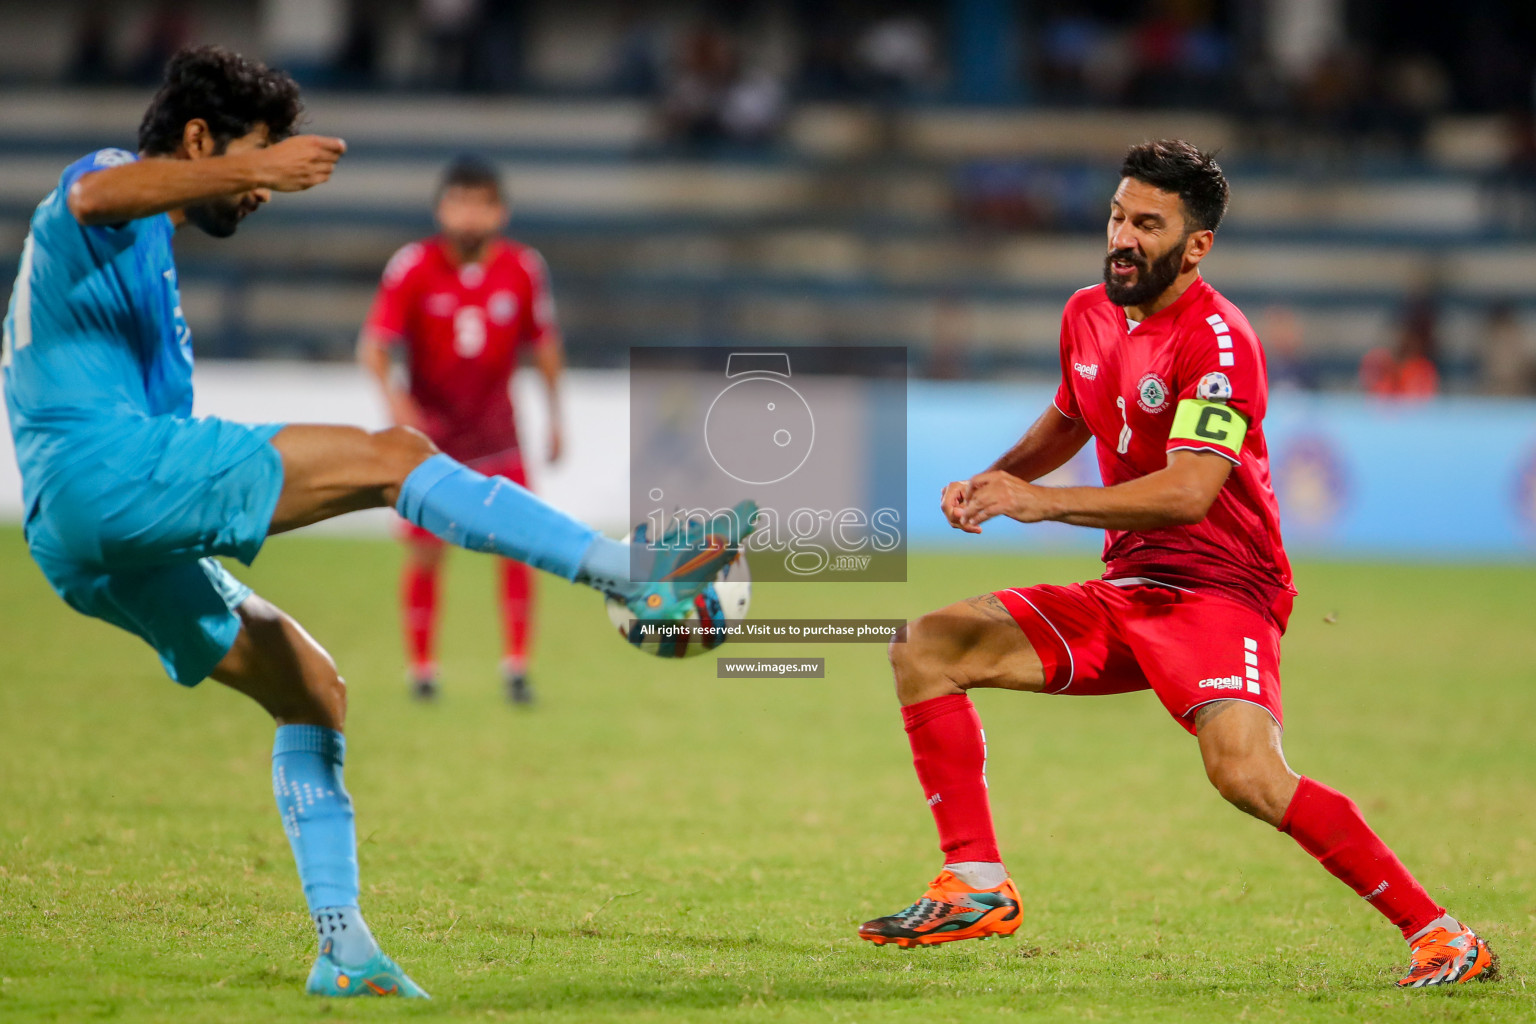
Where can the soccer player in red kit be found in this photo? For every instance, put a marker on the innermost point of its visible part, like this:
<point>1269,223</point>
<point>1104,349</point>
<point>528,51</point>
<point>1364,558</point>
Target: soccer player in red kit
<point>1168,379</point>
<point>456,312</point>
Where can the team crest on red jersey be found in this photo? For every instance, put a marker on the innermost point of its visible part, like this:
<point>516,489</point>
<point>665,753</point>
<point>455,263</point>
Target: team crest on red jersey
<point>1151,393</point>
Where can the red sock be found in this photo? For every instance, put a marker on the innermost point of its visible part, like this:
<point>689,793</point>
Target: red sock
<point>1329,826</point>
<point>949,751</point>
<point>516,612</point>
<point>418,602</point>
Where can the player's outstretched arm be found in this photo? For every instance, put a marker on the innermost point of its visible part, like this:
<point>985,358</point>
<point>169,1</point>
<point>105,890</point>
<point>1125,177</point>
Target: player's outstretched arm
<point>155,185</point>
<point>1177,495</point>
<point>1047,446</point>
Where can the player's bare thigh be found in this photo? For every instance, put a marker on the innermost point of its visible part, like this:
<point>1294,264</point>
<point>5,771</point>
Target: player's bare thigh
<point>276,663</point>
<point>332,470</point>
<point>973,643</point>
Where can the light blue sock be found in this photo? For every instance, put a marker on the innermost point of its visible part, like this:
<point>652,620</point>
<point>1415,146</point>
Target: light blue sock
<point>606,567</point>
<point>452,501</point>
<point>344,935</point>
<point>317,815</point>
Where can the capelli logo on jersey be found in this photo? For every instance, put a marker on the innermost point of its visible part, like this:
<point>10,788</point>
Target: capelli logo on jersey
<point>1222,683</point>
<point>1087,371</point>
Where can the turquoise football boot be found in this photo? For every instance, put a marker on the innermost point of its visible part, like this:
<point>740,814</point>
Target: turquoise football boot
<point>691,554</point>
<point>378,977</point>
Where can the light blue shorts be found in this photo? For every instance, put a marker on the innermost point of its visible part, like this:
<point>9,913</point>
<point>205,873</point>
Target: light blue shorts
<point>127,535</point>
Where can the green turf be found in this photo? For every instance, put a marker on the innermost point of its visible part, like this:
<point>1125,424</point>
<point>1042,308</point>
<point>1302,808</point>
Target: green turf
<point>654,844</point>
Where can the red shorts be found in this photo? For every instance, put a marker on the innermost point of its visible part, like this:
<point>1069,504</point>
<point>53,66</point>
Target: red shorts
<point>1189,648</point>
<point>508,464</point>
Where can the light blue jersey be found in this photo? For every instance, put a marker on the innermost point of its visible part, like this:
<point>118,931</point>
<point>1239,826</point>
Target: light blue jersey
<point>127,496</point>
<point>94,332</point>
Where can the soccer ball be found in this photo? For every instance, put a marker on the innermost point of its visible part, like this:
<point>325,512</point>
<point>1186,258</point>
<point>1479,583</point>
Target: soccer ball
<point>723,601</point>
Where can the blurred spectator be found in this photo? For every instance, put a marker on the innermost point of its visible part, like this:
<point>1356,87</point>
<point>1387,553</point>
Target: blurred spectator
<point>1175,55</point>
<point>826,70</point>
<point>711,100</point>
<point>357,62</point>
<point>168,30</point>
<point>1031,195</point>
<point>1332,99</point>
<point>1511,190</point>
<point>449,29</point>
<point>1407,370</point>
<point>1178,57</point>
<point>895,57</point>
<point>1411,89</point>
<point>637,58</point>
<point>754,109</point>
<point>1065,47</point>
<point>702,74</point>
<point>90,61</point>
<point>1503,363</point>
<point>496,55</point>
<point>1289,367</point>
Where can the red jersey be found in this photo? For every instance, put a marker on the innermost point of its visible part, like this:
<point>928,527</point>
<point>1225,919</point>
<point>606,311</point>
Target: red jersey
<point>462,328</point>
<point>1197,361</point>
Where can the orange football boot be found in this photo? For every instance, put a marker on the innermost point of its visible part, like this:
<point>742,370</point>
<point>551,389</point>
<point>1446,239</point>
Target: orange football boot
<point>1445,956</point>
<point>950,911</point>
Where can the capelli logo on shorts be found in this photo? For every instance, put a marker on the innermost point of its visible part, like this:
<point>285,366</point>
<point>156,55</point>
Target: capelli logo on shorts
<point>1222,683</point>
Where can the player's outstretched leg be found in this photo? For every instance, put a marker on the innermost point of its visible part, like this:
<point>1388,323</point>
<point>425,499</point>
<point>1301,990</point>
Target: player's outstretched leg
<point>935,660</point>
<point>1240,744</point>
<point>329,471</point>
<point>283,669</point>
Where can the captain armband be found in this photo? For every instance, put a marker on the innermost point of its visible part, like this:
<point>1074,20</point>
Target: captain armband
<point>1201,424</point>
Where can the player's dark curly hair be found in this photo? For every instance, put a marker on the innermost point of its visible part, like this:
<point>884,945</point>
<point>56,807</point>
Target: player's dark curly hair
<point>232,93</point>
<point>1174,165</point>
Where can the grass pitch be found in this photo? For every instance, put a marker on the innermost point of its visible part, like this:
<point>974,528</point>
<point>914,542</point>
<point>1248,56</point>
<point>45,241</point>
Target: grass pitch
<point>652,843</point>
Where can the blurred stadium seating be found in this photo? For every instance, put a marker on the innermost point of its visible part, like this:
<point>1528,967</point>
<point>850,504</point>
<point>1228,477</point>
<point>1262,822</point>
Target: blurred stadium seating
<point>957,230</point>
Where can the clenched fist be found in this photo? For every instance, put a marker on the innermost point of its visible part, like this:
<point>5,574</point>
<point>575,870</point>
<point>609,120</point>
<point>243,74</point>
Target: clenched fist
<point>298,163</point>
<point>952,502</point>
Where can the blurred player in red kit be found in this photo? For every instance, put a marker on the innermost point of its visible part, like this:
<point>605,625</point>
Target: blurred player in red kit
<point>1168,380</point>
<point>455,313</point>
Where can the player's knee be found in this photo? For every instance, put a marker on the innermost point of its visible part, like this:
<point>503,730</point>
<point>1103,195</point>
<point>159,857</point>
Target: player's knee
<point>1232,778</point>
<point>1247,783</point>
<point>919,658</point>
<point>402,449</point>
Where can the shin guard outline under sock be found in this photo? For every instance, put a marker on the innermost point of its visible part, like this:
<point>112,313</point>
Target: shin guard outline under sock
<point>1329,826</point>
<point>481,513</point>
<point>949,751</point>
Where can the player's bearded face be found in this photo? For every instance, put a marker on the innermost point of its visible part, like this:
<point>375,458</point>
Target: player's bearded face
<point>221,217</point>
<point>1152,277</point>
<point>218,217</point>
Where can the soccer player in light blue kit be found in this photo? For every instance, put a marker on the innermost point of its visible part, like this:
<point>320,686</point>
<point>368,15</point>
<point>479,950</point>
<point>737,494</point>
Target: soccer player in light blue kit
<point>127,497</point>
